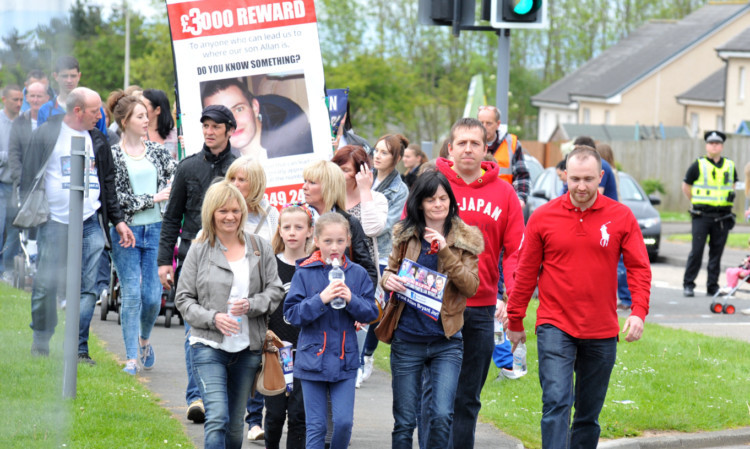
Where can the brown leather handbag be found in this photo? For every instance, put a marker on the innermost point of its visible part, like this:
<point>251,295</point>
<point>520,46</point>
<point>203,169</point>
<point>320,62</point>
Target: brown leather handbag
<point>270,378</point>
<point>388,323</point>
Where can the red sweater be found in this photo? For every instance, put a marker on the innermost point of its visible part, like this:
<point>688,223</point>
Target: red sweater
<point>574,255</point>
<point>491,205</point>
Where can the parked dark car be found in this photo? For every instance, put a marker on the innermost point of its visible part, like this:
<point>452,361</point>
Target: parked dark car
<point>549,186</point>
<point>535,169</point>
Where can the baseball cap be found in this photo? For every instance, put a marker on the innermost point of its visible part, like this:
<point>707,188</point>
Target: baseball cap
<point>219,114</point>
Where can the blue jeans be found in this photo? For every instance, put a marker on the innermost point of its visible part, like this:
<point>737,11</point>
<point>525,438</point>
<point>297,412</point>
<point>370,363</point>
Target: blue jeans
<point>479,342</point>
<point>316,406</point>
<point>192,392</point>
<point>12,244</point>
<point>53,253</point>
<point>139,284</point>
<point>255,411</point>
<point>442,359</point>
<point>560,356</point>
<point>623,292</point>
<point>6,192</point>
<point>224,379</point>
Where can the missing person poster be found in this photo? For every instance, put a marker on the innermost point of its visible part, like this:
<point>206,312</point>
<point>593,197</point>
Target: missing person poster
<point>261,59</point>
<point>424,288</point>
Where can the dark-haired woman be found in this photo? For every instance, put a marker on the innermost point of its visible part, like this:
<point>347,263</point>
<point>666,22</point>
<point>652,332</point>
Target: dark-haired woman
<point>419,342</point>
<point>161,127</point>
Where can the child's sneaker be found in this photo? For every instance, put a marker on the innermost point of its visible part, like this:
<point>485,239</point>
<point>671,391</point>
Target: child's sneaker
<point>131,368</point>
<point>723,291</point>
<point>147,357</point>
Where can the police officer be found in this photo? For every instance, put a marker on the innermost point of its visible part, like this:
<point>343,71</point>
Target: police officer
<point>709,185</point>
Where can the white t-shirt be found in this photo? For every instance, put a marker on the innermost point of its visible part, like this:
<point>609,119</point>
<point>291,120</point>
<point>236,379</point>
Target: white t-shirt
<point>57,177</point>
<point>241,284</point>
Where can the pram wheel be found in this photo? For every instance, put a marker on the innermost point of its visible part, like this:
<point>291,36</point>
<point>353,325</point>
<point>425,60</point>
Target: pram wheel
<point>104,306</point>
<point>716,307</point>
<point>168,318</point>
<point>729,309</point>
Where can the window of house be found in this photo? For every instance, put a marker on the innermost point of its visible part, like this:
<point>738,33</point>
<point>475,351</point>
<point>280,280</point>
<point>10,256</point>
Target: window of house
<point>694,123</point>
<point>607,117</point>
<point>586,116</point>
<point>720,122</point>
<point>741,87</point>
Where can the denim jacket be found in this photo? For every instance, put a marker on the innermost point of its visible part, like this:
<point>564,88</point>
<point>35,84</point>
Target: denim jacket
<point>395,192</point>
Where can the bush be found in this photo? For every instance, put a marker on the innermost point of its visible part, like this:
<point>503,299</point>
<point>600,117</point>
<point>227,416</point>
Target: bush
<point>653,186</point>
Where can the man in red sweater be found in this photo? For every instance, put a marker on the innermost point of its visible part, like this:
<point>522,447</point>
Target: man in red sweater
<point>577,239</point>
<point>487,202</point>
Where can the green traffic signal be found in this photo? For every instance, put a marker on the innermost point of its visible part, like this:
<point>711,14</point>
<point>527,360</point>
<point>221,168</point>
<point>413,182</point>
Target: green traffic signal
<point>523,7</point>
<point>521,10</point>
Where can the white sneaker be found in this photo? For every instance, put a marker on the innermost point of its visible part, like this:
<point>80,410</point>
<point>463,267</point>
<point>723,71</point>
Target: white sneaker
<point>367,371</point>
<point>358,383</point>
<point>745,311</point>
<point>103,297</point>
<point>256,434</point>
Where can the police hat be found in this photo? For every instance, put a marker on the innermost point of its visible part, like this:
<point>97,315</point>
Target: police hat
<point>219,114</point>
<point>714,136</point>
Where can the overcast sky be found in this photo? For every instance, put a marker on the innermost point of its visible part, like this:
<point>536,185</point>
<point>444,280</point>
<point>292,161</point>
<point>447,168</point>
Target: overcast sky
<point>25,15</point>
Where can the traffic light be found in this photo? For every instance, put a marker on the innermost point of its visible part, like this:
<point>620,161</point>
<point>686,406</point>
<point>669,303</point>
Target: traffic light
<point>441,12</point>
<point>527,14</point>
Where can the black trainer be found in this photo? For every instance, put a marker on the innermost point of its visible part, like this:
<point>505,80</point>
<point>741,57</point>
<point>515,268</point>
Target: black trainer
<point>688,292</point>
<point>83,357</point>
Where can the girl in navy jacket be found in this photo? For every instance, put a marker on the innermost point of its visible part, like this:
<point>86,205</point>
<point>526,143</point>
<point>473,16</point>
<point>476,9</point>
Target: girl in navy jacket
<point>327,355</point>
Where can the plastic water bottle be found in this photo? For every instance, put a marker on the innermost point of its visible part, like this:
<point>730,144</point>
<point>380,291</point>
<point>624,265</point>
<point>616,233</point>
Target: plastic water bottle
<point>234,296</point>
<point>499,334</point>
<point>519,360</point>
<point>336,274</point>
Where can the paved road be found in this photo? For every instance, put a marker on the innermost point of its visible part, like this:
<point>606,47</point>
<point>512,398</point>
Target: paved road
<point>373,419</point>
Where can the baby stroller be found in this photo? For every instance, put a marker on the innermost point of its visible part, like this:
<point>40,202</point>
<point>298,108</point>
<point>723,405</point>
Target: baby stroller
<point>111,301</point>
<point>24,264</point>
<point>727,293</point>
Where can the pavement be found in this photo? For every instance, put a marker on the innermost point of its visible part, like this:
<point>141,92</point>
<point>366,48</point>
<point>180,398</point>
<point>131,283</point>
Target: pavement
<point>372,416</point>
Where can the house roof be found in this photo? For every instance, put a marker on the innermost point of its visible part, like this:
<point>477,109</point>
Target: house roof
<point>741,42</point>
<point>613,133</point>
<point>710,89</point>
<point>635,56</point>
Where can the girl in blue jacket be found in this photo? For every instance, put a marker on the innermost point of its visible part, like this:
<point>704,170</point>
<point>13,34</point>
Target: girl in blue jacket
<point>327,355</point>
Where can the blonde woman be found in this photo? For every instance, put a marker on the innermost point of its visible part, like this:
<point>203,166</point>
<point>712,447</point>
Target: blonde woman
<point>223,263</point>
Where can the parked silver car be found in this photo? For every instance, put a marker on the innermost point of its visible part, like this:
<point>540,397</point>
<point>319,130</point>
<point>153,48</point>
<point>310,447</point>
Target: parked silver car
<point>549,186</point>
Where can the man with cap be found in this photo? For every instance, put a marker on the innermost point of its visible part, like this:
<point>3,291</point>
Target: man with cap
<point>709,185</point>
<point>191,180</point>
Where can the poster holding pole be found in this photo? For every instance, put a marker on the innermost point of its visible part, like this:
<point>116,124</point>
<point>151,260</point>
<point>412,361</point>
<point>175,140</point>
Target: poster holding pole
<point>262,60</point>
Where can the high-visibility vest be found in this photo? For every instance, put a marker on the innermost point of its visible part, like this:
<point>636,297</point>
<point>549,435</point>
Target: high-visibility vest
<point>503,158</point>
<point>714,185</point>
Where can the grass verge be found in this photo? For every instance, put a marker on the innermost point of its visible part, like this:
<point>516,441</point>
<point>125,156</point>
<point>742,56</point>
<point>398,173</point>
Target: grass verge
<point>111,409</point>
<point>674,216</point>
<point>736,240</point>
<point>671,380</point>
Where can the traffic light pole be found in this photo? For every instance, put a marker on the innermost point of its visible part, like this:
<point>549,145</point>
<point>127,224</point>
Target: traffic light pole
<point>503,74</point>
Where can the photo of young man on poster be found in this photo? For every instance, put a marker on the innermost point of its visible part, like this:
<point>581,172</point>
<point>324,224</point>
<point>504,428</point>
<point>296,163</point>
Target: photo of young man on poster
<point>268,126</point>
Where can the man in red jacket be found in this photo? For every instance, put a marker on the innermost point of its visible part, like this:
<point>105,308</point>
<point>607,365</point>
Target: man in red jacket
<point>487,202</point>
<point>577,239</point>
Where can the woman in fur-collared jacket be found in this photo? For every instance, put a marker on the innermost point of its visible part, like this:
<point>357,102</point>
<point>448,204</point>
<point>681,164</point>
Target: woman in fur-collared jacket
<point>427,334</point>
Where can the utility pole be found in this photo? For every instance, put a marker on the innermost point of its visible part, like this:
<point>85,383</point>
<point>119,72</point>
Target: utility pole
<point>78,157</point>
<point>126,82</point>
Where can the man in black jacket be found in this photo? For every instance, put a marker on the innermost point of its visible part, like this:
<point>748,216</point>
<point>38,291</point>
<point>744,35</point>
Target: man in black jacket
<point>191,180</point>
<point>49,155</point>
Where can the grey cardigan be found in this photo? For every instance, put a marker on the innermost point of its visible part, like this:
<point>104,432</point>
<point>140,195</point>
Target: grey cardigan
<point>205,282</point>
